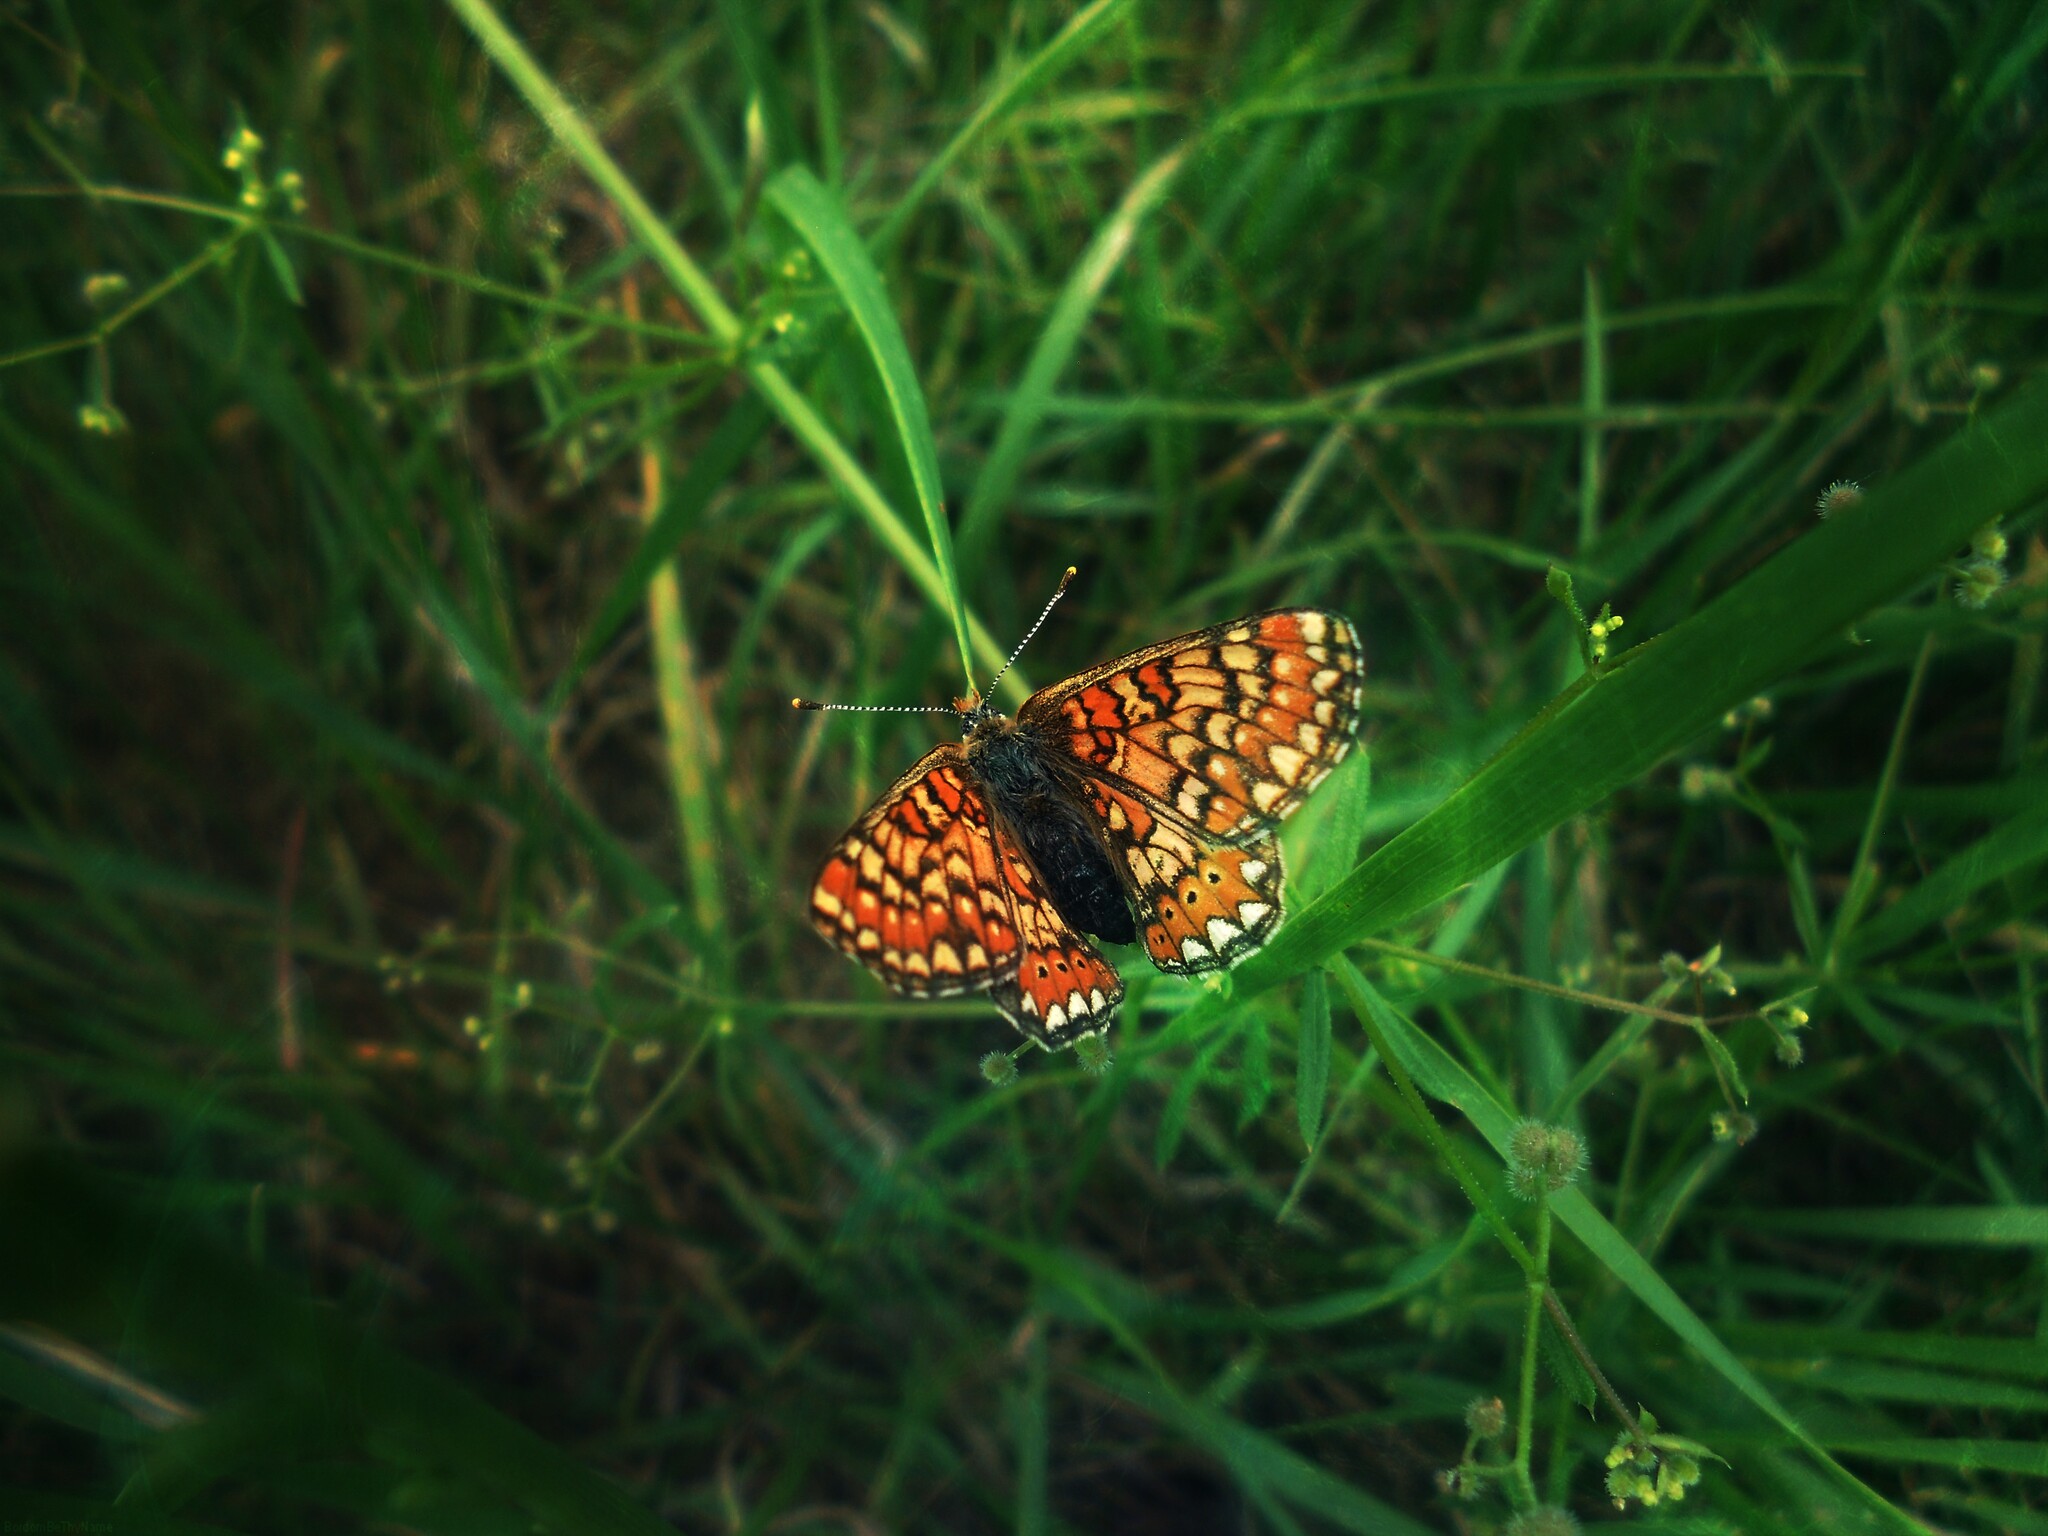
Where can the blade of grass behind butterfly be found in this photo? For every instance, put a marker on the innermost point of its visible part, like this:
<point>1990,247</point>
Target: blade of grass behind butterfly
<point>817,217</point>
<point>783,397</point>
<point>1028,402</point>
<point>1066,47</point>
<point>741,428</point>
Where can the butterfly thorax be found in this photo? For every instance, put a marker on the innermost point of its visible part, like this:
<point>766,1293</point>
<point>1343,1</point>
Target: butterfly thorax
<point>1038,799</point>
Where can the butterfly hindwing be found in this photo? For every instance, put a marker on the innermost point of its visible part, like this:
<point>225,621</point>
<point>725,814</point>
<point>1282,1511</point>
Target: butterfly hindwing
<point>1201,905</point>
<point>1062,988</point>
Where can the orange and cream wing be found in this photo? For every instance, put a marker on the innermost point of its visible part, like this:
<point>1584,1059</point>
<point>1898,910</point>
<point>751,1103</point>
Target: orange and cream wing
<point>926,892</point>
<point>1228,728</point>
<point>1062,988</point>
<point>915,890</point>
<point>1202,904</point>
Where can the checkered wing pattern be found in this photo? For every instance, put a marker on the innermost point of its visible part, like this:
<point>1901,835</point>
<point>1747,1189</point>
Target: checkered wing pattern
<point>1225,730</point>
<point>925,892</point>
<point>1194,751</point>
<point>1201,905</point>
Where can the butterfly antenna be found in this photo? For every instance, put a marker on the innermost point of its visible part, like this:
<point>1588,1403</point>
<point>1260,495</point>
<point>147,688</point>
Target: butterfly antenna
<point>877,709</point>
<point>990,691</point>
<point>946,709</point>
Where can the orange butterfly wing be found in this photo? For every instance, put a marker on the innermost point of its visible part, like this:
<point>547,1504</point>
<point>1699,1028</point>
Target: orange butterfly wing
<point>926,892</point>
<point>1196,749</point>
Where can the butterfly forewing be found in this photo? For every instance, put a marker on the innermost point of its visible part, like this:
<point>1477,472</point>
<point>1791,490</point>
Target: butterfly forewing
<point>915,890</point>
<point>925,892</point>
<point>1228,728</point>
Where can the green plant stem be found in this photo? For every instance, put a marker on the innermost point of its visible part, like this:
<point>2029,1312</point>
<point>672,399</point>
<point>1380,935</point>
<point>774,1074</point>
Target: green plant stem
<point>1548,989</point>
<point>1364,1003</point>
<point>1568,1331</point>
<point>1536,1284</point>
<point>1863,873</point>
<point>1594,395</point>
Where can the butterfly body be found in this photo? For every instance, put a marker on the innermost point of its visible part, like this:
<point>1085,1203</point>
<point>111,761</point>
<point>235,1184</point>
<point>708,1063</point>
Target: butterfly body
<point>1038,800</point>
<point>1139,800</point>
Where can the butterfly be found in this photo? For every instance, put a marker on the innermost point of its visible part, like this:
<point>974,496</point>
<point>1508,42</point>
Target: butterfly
<point>1139,800</point>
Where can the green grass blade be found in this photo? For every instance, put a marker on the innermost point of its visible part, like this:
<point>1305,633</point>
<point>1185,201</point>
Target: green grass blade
<point>97,1268</point>
<point>1066,48</point>
<point>1260,1462</point>
<point>998,480</point>
<point>1988,1226</point>
<point>690,280</point>
<point>2014,846</point>
<point>1600,736</point>
<point>1440,1075</point>
<point>815,214</point>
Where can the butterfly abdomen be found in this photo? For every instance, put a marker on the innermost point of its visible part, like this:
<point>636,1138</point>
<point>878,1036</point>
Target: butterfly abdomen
<point>1042,809</point>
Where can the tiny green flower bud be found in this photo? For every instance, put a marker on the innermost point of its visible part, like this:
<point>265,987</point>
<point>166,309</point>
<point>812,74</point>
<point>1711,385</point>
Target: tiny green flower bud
<point>1543,1159</point>
<point>1733,1125</point>
<point>245,145</point>
<point>1544,1520</point>
<point>999,1068</point>
<point>1988,542</point>
<point>1459,1483</point>
<point>1091,1054</point>
<point>1486,1417</point>
<point>104,288</point>
<point>1698,782</point>
<point>1840,496</point>
<point>102,420</point>
<point>1978,582</point>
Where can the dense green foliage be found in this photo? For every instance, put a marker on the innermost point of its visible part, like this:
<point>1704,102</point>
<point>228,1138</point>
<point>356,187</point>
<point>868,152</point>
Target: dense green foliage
<point>436,442</point>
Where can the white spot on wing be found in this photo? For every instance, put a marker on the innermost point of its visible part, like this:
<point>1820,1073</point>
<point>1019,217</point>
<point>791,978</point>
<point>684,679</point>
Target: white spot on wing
<point>1253,870</point>
<point>1055,1017</point>
<point>1286,761</point>
<point>1096,1001</point>
<point>1193,949</point>
<point>1222,934</point>
<point>1313,628</point>
<point>1077,1005</point>
<point>1252,913</point>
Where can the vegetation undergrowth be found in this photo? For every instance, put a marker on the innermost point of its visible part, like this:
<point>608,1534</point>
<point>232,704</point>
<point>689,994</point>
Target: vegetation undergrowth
<point>436,442</point>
